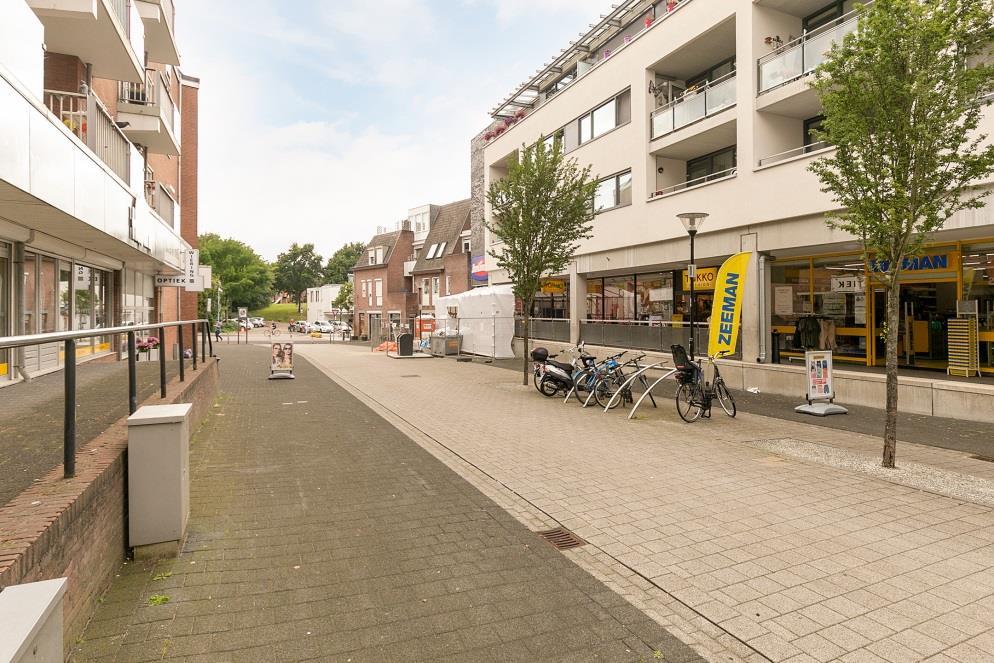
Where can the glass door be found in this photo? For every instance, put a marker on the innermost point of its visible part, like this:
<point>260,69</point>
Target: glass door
<point>926,308</point>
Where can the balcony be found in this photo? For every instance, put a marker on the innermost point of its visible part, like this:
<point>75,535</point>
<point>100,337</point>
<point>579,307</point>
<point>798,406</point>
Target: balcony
<point>409,267</point>
<point>694,183</point>
<point>104,33</point>
<point>88,120</point>
<point>802,56</point>
<point>150,114</point>
<point>695,105</point>
<point>161,200</point>
<point>158,18</point>
<point>790,155</point>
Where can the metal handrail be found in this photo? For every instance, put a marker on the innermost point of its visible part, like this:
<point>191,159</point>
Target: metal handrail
<point>7,342</point>
<point>70,338</point>
<point>697,181</point>
<point>797,151</point>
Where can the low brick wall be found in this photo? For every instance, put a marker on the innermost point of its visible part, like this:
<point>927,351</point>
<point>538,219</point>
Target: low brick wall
<point>76,528</point>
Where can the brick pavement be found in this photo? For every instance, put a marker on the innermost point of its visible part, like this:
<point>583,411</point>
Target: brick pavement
<point>802,562</point>
<point>31,416</point>
<point>320,532</point>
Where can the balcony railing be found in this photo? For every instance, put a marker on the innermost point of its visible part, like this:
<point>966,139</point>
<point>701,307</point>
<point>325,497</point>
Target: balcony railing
<point>86,117</point>
<point>697,181</point>
<point>796,152</point>
<point>710,99</point>
<point>153,92</point>
<point>803,55</point>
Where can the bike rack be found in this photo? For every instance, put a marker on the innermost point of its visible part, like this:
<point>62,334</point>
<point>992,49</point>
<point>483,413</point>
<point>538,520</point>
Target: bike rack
<point>651,387</point>
<point>634,376</point>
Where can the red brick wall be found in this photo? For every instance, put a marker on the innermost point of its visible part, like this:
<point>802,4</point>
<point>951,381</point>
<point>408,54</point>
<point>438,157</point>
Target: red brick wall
<point>77,528</point>
<point>397,294</point>
<point>63,72</point>
<point>189,189</point>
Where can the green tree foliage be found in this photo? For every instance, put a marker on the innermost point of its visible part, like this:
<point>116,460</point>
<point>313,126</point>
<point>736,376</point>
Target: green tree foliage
<point>296,270</point>
<point>342,261</point>
<point>903,98</point>
<point>242,274</point>
<point>542,210</point>
<point>344,299</point>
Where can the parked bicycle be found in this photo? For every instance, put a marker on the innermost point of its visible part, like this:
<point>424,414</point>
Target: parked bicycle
<point>695,394</point>
<point>618,381</point>
<point>590,380</point>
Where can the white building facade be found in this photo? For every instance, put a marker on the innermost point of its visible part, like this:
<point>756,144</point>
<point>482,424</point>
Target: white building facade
<point>704,106</point>
<point>321,304</point>
<point>80,242</point>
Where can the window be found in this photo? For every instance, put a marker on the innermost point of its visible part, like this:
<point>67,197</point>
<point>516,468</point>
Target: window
<point>431,252</point>
<point>425,292</point>
<point>718,163</point>
<point>564,81</point>
<point>364,289</point>
<point>372,257</point>
<point>441,250</point>
<point>448,284</point>
<point>466,246</point>
<point>619,298</point>
<point>379,292</point>
<point>614,191</point>
<point>810,126</point>
<point>556,136</point>
<point>434,286</point>
<point>711,74</point>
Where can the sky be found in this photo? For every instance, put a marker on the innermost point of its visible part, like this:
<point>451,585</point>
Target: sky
<point>323,119</point>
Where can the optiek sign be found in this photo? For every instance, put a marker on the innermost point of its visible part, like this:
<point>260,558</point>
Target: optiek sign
<point>928,263</point>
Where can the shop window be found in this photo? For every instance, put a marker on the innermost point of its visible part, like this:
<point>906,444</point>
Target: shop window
<point>595,299</point>
<point>619,298</point>
<point>30,291</point>
<point>552,299</point>
<point>791,289</point>
<point>48,295</point>
<point>839,301</point>
<point>654,298</point>
<point>978,286</point>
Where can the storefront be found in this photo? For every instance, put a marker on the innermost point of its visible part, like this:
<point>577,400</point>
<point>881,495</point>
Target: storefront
<point>58,295</point>
<point>833,302</point>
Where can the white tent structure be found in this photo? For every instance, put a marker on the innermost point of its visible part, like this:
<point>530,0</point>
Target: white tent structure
<point>484,317</point>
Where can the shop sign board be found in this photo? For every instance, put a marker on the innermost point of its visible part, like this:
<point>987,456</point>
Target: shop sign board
<point>820,386</point>
<point>849,283</point>
<point>553,287</point>
<point>726,311</point>
<point>706,278</point>
<point>939,262</point>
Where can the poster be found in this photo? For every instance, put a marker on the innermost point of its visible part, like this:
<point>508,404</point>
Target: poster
<point>242,312</point>
<point>833,304</point>
<point>783,300</point>
<point>818,365</point>
<point>282,359</point>
<point>860,310</point>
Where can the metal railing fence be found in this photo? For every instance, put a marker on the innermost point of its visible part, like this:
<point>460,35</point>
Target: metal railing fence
<point>69,338</point>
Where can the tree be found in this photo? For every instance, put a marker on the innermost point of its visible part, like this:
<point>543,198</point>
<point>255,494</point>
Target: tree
<point>296,270</point>
<point>342,261</point>
<point>902,99</point>
<point>541,210</point>
<point>241,272</point>
<point>343,301</point>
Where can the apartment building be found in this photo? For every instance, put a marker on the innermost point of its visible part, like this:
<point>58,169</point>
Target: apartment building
<point>443,263</point>
<point>97,194</point>
<point>321,304</point>
<point>382,281</point>
<point>704,106</point>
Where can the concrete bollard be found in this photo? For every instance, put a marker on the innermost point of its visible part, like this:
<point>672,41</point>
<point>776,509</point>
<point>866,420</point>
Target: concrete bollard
<point>158,479</point>
<point>31,622</point>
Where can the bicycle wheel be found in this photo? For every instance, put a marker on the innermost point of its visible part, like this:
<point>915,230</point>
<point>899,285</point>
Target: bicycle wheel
<point>724,397</point>
<point>605,390</point>
<point>688,403</point>
<point>581,384</point>
<point>547,387</point>
<point>537,379</point>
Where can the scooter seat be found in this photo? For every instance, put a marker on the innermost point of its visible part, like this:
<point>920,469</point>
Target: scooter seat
<point>560,365</point>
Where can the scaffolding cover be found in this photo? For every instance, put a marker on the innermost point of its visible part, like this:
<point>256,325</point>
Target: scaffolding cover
<point>483,316</point>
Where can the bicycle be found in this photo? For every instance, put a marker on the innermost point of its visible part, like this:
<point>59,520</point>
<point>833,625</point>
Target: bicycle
<point>273,332</point>
<point>617,383</point>
<point>695,394</point>
<point>588,380</point>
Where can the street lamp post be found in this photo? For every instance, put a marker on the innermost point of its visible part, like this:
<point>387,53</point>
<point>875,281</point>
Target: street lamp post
<point>692,221</point>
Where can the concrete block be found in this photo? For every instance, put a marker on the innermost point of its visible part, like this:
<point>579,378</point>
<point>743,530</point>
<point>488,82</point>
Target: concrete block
<point>31,622</point>
<point>964,400</point>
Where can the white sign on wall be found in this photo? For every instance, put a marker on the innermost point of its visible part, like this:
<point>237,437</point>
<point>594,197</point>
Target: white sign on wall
<point>848,283</point>
<point>783,300</point>
<point>860,310</point>
<point>191,279</point>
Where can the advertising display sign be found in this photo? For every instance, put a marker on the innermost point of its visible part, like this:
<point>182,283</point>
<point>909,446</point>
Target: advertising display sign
<point>726,311</point>
<point>820,387</point>
<point>281,361</point>
<point>706,277</point>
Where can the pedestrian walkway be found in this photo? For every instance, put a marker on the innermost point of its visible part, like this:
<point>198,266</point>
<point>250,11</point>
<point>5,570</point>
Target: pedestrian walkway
<point>320,532</point>
<point>713,528</point>
<point>31,416</point>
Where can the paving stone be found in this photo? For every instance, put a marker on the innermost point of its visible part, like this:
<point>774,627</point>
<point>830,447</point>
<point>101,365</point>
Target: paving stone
<point>319,531</point>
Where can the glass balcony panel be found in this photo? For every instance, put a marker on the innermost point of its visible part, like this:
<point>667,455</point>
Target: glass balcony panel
<point>721,96</point>
<point>817,47</point>
<point>689,109</point>
<point>783,67</point>
<point>662,122</point>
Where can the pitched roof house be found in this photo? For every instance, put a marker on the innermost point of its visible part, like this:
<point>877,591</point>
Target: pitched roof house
<point>443,263</point>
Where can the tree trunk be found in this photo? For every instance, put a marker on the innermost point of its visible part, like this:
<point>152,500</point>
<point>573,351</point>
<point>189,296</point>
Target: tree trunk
<point>525,359</point>
<point>893,329</point>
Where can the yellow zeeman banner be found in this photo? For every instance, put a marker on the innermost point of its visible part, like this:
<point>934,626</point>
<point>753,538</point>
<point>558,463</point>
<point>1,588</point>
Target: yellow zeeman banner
<point>727,308</point>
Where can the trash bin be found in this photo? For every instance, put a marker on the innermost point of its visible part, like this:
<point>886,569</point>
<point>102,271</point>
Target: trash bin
<point>405,345</point>
<point>442,346</point>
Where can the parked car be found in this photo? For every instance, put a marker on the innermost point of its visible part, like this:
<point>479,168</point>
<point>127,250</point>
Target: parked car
<point>323,327</point>
<point>257,322</point>
<point>342,328</point>
<point>300,326</point>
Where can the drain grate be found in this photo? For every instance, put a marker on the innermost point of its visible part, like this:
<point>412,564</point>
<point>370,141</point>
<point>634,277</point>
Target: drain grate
<point>410,376</point>
<point>561,538</point>
<point>986,459</point>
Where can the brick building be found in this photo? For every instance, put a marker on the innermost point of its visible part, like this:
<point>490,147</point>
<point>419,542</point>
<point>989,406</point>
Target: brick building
<point>443,263</point>
<point>383,283</point>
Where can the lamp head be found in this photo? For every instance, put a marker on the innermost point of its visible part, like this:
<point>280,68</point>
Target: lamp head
<point>693,221</point>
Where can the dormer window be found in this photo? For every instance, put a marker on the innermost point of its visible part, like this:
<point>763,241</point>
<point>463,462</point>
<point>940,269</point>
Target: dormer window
<point>431,252</point>
<point>441,250</point>
<point>372,257</point>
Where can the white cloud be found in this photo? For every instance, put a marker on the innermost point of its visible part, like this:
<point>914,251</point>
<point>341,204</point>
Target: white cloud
<point>511,10</point>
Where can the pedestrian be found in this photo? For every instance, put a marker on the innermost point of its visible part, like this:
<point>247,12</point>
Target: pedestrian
<point>217,331</point>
